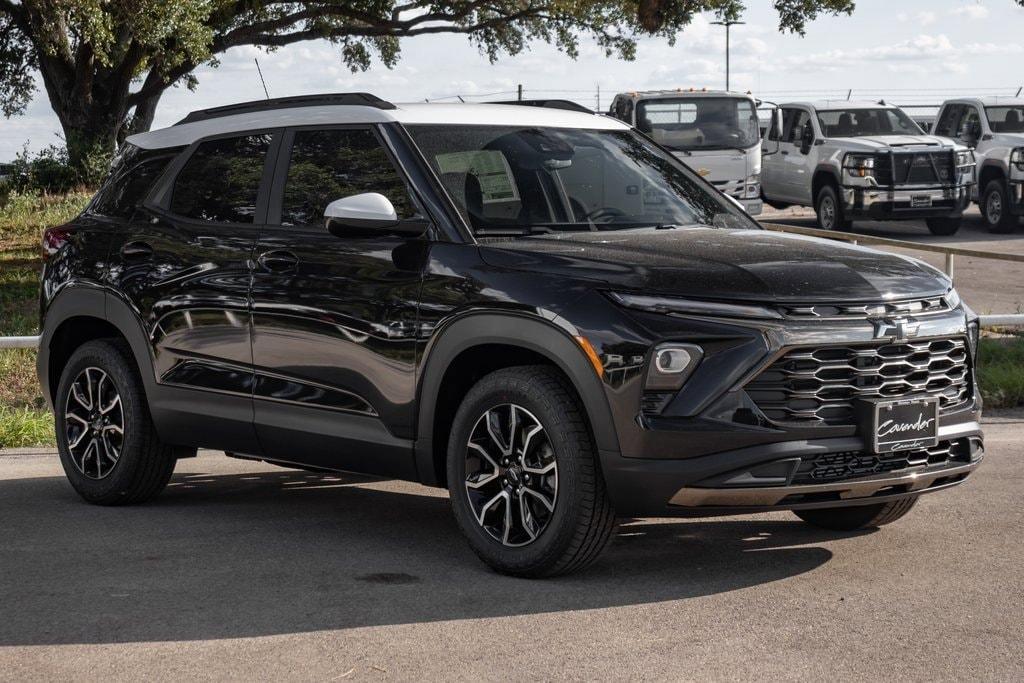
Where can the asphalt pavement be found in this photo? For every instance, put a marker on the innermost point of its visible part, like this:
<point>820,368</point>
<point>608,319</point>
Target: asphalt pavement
<point>246,571</point>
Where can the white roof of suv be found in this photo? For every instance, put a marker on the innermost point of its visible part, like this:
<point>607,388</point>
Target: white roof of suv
<point>989,101</point>
<point>187,132</point>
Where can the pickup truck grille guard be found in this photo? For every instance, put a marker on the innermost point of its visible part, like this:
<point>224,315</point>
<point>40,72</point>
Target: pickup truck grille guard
<point>897,169</point>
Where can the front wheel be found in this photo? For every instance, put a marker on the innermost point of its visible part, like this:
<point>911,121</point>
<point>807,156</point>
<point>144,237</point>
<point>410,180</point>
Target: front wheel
<point>943,226</point>
<point>829,210</point>
<point>995,208</point>
<point>523,477</point>
<point>857,517</point>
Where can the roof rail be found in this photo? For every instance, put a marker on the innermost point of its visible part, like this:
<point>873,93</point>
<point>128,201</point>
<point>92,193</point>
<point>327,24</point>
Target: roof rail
<point>341,99</point>
<point>568,105</point>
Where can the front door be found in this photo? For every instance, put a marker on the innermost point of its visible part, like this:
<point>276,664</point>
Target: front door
<point>794,171</point>
<point>335,318</point>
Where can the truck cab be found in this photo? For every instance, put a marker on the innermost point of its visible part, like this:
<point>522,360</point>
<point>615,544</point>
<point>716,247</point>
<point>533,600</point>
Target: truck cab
<point>716,133</point>
<point>867,160</point>
<point>994,128</point>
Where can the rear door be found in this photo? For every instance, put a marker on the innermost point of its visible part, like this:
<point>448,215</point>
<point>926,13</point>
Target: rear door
<point>183,265</point>
<point>335,318</point>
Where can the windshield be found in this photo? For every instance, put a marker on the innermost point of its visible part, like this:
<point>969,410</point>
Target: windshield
<point>1006,119</point>
<point>516,180</point>
<point>852,123</point>
<point>688,123</point>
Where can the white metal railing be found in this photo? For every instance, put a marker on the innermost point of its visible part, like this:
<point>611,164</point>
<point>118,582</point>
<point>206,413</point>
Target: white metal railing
<point>19,342</point>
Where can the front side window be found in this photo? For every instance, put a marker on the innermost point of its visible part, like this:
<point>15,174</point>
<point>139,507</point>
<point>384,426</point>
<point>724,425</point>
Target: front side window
<point>801,119</point>
<point>700,122</point>
<point>1006,119</point>
<point>221,180</point>
<point>331,164</point>
<point>949,123</point>
<point>521,180</point>
<point>852,123</point>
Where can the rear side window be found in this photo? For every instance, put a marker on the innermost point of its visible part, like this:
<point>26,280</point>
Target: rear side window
<point>130,180</point>
<point>220,182</point>
<point>326,165</point>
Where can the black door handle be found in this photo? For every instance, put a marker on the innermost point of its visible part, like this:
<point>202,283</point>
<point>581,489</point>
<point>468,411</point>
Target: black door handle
<point>278,260</point>
<point>783,152</point>
<point>137,250</point>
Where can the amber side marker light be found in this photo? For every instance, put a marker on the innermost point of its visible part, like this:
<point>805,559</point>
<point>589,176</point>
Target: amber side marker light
<point>595,359</point>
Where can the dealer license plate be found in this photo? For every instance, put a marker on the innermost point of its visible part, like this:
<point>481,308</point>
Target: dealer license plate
<point>900,425</point>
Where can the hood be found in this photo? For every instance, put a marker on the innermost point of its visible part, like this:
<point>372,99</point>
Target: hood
<point>723,165</point>
<point>873,142</point>
<point>713,263</point>
<point>1010,139</point>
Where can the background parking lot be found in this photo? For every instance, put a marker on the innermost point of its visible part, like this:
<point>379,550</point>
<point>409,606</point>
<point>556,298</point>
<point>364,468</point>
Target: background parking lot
<point>243,570</point>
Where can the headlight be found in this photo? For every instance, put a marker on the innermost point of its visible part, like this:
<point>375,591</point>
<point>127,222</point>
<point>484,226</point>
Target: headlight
<point>752,187</point>
<point>1017,158</point>
<point>859,165</point>
<point>670,366</point>
<point>965,158</point>
<point>658,304</point>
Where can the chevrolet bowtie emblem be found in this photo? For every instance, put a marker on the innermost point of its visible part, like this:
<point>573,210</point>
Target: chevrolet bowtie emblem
<point>897,329</point>
<point>702,172</point>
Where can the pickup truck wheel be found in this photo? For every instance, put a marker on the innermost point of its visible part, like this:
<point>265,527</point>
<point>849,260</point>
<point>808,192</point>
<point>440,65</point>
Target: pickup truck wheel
<point>995,208</point>
<point>830,211</point>
<point>857,517</point>
<point>943,226</point>
<point>107,443</point>
<point>523,477</point>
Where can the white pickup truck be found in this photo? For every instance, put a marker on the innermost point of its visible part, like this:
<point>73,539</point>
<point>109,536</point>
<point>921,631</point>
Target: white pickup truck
<point>714,132</point>
<point>994,128</point>
<point>864,160</point>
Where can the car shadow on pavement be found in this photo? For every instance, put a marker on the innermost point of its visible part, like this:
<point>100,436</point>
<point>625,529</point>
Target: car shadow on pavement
<point>267,553</point>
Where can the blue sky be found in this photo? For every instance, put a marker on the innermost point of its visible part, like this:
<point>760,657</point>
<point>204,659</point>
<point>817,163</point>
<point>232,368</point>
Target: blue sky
<point>910,51</point>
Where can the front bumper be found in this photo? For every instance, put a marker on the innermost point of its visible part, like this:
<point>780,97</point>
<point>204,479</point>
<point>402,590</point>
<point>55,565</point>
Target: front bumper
<point>905,203</point>
<point>1016,197</point>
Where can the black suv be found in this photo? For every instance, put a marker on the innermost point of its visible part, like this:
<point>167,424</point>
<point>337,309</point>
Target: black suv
<point>538,308</point>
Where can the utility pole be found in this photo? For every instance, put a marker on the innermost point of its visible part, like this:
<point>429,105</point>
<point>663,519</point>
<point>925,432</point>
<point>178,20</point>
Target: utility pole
<point>728,23</point>
<point>519,92</point>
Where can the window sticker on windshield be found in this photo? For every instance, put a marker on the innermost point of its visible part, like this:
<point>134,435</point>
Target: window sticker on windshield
<point>490,168</point>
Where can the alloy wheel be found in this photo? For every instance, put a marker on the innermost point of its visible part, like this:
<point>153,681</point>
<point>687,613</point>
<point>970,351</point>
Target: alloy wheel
<point>94,423</point>
<point>828,213</point>
<point>511,475</point>
<point>994,208</point>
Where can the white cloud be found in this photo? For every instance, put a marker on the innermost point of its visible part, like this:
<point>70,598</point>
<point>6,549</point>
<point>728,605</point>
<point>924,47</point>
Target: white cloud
<point>926,18</point>
<point>971,12</point>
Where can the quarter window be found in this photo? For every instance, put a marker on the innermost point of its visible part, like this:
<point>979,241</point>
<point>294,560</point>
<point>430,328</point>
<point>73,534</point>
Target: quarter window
<point>130,181</point>
<point>326,165</point>
<point>221,180</point>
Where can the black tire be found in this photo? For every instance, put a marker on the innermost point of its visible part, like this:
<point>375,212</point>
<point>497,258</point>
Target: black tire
<point>144,464</point>
<point>943,226</point>
<point>858,516</point>
<point>580,521</point>
<point>995,208</point>
<point>829,210</point>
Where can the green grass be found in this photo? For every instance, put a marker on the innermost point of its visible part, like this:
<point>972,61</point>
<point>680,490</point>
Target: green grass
<point>24,420</point>
<point>1001,372</point>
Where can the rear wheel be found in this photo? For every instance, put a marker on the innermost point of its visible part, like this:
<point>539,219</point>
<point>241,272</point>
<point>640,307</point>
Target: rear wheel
<point>107,444</point>
<point>943,226</point>
<point>995,208</point>
<point>525,486</point>
<point>830,211</point>
<point>857,517</point>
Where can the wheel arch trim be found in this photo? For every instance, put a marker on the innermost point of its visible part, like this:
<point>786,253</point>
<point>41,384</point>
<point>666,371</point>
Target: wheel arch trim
<point>547,336</point>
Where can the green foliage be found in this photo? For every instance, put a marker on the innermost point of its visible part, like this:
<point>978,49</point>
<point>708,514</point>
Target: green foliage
<point>1001,372</point>
<point>25,427</point>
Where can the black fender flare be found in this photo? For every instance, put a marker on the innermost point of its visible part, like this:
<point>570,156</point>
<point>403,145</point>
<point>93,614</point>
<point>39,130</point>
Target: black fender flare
<point>826,169</point>
<point>91,301</point>
<point>532,333</point>
<point>998,165</point>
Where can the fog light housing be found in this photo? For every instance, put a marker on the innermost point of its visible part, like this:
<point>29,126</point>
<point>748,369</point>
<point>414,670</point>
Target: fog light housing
<point>671,365</point>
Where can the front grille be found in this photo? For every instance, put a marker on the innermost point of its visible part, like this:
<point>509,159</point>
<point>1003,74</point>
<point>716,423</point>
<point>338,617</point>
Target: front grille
<point>819,385</point>
<point>853,464</point>
<point>914,168</point>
